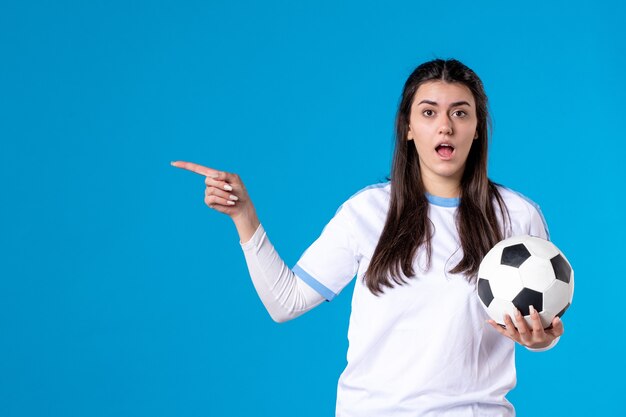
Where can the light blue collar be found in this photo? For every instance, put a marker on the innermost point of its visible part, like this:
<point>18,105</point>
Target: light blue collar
<point>443,201</point>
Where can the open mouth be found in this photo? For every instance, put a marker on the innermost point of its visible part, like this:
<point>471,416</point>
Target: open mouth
<point>445,150</point>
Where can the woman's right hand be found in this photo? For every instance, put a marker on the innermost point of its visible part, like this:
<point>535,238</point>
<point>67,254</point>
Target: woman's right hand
<point>226,193</point>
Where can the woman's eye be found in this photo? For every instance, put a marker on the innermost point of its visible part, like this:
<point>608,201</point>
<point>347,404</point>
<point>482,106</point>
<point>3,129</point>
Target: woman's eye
<point>428,113</point>
<point>460,113</point>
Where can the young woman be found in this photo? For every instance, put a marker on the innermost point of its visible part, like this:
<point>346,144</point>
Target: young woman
<point>418,340</point>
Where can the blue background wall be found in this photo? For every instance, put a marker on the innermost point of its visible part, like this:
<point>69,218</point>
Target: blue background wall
<point>122,294</point>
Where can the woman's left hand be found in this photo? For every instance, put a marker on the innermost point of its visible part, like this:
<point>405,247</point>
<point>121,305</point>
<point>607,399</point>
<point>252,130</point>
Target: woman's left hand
<point>534,337</point>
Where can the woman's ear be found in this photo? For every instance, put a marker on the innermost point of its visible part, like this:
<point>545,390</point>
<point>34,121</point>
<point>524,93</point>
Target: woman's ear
<point>409,135</point>
<point>476,135</point>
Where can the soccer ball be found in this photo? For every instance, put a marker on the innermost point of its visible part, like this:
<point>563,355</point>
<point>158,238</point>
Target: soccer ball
<point>522,271</point>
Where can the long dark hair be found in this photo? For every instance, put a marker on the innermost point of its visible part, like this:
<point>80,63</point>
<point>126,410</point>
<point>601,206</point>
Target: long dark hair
<point>408,227</point>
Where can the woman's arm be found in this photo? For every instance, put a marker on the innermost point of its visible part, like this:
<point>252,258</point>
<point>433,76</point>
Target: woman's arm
<point>284,295</point>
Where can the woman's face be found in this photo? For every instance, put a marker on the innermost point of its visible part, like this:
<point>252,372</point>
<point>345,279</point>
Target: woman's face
<point>442,125</point>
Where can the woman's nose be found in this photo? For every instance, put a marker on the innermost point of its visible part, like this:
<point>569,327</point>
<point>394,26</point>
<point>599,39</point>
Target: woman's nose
<point>446,128</point>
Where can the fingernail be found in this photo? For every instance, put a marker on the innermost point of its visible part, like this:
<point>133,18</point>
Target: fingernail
<point>228,187</point>
<point>173,163</point>
<point>230,203</point>
<point>233,197</point>
<point>557,319</point>
<point>518,313</point>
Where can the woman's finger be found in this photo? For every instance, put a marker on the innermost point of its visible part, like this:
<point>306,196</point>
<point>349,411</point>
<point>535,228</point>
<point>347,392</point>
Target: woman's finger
<point>522,327</point>
<point>212,182</point>
<point>538,332</point>
<point>498,327</point>
<point>557,327</point>
<point>511,331</point>
<point>219,193</point>
<point>217,175</point>
<point>214,177</point>
<point>198,169</point>
<point>224,176</point>
<point>212,200</point>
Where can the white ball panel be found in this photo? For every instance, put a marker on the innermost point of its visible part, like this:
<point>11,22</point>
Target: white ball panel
<point>498,308</point>
<point>557,296</point>
<point>537,273</point>
<point>541,247</point>
<point>505,282</point>
<point>490,263</point>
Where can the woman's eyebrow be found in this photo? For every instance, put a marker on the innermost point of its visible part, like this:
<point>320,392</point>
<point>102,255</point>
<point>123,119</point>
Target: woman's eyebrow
<point>434,103</point>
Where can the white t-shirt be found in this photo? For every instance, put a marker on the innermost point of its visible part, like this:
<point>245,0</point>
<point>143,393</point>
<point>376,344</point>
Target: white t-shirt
<point>422,348</point>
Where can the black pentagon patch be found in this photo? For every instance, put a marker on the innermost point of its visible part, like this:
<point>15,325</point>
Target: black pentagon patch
<point>514,255</point>
<point>484,291</point>
<point>563,311</point>
<point>527,298</point>
<point>562,270</point>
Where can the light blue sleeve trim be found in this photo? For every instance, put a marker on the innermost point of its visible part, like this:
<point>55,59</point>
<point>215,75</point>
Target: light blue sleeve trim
<point>313,283</point>
<point>536,206</point>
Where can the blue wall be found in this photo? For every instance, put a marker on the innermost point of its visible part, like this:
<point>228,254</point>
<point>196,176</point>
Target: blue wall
<point>122,294</point>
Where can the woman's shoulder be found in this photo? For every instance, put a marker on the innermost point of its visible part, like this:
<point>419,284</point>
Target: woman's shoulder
<point>376,195</point>
<point>524,212</point>
<point>372,197</point>
<point>515,199</point>
<point>377,191</point>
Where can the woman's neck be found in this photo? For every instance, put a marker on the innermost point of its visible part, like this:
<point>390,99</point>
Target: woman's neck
<point>440,187</point>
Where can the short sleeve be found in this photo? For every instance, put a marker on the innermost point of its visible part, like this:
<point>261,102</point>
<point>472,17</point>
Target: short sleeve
<point>332,260</point>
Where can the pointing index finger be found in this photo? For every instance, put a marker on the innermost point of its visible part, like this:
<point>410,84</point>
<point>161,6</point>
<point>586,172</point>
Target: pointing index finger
<point>198,169</point>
